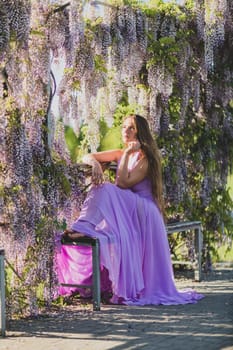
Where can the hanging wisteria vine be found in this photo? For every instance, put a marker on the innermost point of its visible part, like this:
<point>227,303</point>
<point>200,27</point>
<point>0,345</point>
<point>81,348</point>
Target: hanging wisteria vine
<point>62,65</point>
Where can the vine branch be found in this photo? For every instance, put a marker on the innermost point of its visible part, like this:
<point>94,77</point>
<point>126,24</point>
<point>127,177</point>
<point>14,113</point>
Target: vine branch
<point>57,9</point>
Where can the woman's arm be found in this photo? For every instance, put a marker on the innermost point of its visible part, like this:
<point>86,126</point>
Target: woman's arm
<point>126,178</point>
<point>102,157</point>
<point>94,160</point>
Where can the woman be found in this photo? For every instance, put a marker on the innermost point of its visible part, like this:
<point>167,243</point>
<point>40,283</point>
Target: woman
<point>127,217</point>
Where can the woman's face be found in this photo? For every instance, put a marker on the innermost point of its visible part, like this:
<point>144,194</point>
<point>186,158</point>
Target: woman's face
<point>129,131</point>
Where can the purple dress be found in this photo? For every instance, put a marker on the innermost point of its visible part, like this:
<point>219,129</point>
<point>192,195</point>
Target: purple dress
<point>134,250</point>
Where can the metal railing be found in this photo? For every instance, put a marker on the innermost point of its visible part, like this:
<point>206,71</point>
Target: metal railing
<point>2,293</point>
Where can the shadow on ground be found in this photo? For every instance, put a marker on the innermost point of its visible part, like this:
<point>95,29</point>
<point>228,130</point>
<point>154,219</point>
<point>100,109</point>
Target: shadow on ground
<point>205,325</point>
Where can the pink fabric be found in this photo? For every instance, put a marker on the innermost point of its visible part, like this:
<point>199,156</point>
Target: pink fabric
<point>134,250</point>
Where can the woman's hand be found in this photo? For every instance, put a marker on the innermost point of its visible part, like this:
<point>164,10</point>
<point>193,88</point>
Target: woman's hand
<point>97,177</point>
<point>133,146</point>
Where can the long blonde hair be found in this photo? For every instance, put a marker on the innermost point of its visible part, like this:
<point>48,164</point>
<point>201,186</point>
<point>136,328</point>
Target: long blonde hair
<point>151,151</point>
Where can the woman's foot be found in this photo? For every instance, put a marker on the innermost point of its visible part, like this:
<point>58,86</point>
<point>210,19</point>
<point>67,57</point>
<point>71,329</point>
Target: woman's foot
<point>73,234</point>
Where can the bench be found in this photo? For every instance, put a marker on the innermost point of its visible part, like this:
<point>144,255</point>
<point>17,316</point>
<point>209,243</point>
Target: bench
<point>94,244</point>
<point>2,293</point>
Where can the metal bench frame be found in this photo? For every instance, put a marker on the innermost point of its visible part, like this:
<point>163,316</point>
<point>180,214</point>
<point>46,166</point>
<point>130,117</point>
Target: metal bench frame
<point>2,293</point>
<point>191,226</point>
<point>95,285</point>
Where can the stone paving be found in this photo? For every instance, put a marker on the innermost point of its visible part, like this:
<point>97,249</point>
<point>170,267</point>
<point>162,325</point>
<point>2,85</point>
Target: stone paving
<point>207,325</point>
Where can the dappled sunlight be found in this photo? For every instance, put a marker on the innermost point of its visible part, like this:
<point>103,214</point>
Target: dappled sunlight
<point>207,324</point>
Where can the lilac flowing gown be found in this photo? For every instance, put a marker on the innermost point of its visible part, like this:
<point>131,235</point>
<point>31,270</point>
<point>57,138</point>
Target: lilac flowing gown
<point>134,250</point>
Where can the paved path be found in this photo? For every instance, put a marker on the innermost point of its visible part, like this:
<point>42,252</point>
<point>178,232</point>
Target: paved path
<point>207,325</point>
